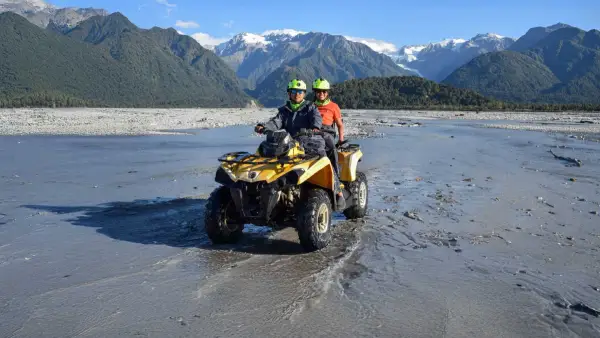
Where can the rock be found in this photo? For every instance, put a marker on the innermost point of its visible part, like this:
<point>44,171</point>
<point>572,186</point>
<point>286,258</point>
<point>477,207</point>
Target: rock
<point>413,215</point>
<point>580,307</point>
<point>572,179</point>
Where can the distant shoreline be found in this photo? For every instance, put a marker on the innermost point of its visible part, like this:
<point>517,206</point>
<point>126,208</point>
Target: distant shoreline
<point>160,121</point>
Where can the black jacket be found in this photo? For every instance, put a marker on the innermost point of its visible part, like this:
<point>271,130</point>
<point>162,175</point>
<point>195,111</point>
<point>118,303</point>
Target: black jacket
<point>307,117</point>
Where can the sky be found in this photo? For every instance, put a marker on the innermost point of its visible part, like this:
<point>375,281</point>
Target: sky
<point>394,21</point>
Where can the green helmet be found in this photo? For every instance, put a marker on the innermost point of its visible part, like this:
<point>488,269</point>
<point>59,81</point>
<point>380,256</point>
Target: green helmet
<point>296,84</point>
<point>321,84</point>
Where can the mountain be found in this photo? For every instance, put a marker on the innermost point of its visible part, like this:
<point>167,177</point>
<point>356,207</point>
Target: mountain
<point>435,61</point>
<point>341,61</point>
<point>510,70</point>
<point>42,14</point>
<point>255,56</point>
<point>403,92</point>
<point>562,67</point>
<point>535,35</point>
<point>109,61</point>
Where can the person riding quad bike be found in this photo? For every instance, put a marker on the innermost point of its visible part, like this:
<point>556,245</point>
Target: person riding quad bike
<point>331,114</point>
<point>297,115</point>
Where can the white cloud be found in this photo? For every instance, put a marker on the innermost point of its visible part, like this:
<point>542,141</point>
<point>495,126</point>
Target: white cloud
<point>186,24</point>
<point>165,3</point>
<point>206,40</point>
<point>228,24</point>
<point>180,32</point>
<point>376,45</point>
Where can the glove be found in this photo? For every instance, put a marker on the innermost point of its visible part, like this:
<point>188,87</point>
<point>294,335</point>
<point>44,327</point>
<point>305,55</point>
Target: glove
<point>259,128</point>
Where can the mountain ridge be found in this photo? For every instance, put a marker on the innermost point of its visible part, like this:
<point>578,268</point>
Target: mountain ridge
<point>43,14</point>
<point>561,67</point>
<point>110,61</point>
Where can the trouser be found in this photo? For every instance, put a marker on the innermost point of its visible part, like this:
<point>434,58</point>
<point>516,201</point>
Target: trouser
<point>332,152</point>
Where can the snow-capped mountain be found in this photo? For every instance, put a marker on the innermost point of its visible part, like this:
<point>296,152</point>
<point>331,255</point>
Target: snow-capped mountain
<point>248,41</point>
<point>255,56</point>
<point>436,60</point>
<point>245,52</point>
<point>42,13</point>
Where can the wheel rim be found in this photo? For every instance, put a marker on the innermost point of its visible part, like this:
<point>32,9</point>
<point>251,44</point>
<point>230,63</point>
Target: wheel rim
<point>362,195</point>
<point>227,216</point>
<point>323,218</point>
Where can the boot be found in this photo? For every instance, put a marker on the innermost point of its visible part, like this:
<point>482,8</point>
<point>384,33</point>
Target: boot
<point>341,202</point>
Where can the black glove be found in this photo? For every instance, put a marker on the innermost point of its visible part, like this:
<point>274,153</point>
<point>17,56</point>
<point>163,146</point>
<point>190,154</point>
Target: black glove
<point>259,128</point>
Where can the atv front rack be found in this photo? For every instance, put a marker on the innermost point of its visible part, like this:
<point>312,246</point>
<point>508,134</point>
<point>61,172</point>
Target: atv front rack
<point>248,158</point>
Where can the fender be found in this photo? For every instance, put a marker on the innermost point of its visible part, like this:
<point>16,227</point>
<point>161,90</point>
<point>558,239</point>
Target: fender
<point>320,174</point>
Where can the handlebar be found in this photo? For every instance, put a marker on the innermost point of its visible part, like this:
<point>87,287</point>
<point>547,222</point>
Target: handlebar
<point>303,132</point>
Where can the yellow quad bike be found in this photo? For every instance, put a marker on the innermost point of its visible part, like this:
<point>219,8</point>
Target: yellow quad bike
<point>281,186</point>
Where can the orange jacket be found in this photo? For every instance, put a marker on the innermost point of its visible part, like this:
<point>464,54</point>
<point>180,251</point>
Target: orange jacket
<point>329,112</point>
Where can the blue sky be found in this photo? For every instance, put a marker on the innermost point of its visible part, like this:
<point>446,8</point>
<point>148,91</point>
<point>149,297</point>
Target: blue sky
<point>398,22</point>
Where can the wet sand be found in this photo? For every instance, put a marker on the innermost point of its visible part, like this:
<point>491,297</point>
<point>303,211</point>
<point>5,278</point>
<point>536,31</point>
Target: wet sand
<point>472,231</point>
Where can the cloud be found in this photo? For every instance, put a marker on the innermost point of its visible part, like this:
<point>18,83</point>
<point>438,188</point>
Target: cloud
<point>180,32</point>
<point>376,45</point>
<point>167,4</point>
<point>186,24</point>
<point>206,40</point>
<point>228,24</point>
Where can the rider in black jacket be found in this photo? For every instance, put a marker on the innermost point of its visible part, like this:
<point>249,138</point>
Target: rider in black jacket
<point>299,114</point>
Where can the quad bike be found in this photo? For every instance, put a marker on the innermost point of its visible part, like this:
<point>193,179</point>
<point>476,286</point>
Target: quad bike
<point>281,186</point>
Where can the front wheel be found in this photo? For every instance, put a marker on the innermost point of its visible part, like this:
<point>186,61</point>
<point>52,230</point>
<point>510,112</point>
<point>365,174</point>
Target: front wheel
<point>360,197</point>
<point>314,220</point>
<point>220,217</point>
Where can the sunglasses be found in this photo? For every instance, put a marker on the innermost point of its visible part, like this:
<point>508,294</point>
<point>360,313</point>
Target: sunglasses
<point>318,91</point>
<point>296,91</point>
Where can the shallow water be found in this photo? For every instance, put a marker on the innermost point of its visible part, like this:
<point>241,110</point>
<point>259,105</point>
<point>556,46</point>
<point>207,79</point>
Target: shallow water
<point>96,241</point>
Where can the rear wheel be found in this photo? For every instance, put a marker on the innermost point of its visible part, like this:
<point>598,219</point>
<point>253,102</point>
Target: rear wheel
<point>360,197</point>
<point>314,220</point>
<point>220,218</point>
